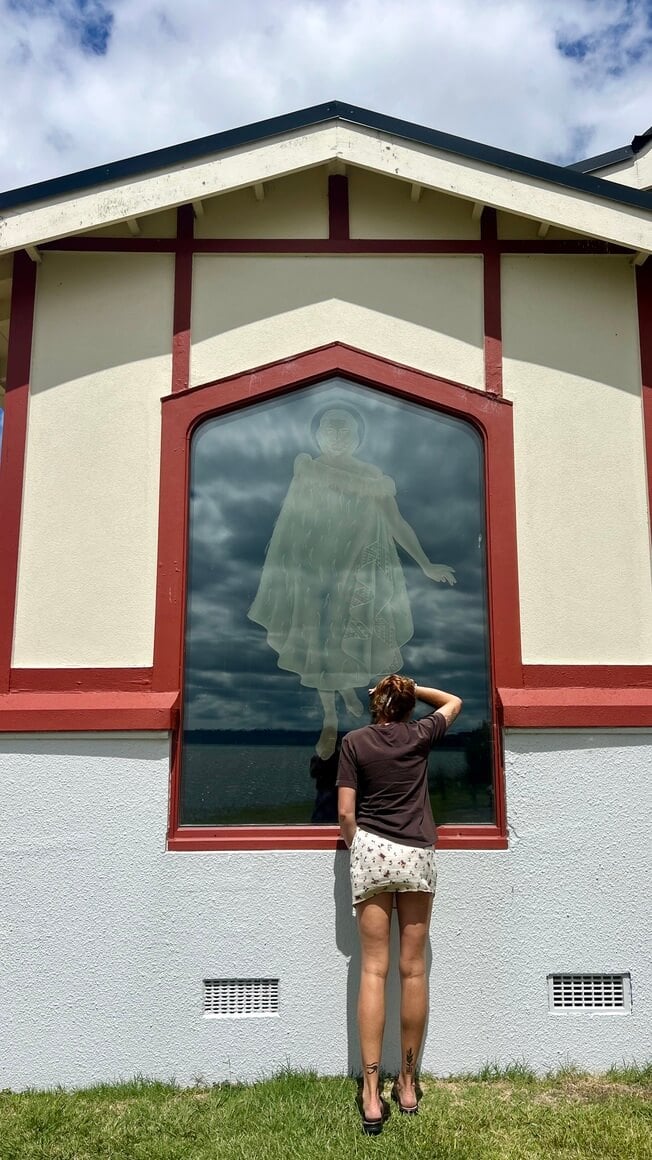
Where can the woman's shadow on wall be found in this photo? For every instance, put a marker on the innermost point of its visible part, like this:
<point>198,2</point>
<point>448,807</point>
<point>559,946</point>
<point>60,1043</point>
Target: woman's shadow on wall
<point>348,944</point>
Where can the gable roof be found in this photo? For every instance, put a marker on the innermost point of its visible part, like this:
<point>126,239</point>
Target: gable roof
<point>570,177</point>
<point>238,157</point>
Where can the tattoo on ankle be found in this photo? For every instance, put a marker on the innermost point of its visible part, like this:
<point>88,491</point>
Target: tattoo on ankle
<point>371,1068</point>
<point>409,1060</point>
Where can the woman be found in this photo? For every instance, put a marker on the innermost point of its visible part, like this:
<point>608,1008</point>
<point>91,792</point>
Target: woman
<point>386,821</point>
<point>332,593</point>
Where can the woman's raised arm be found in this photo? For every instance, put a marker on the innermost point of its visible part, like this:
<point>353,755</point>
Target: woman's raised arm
<point>448,704</point>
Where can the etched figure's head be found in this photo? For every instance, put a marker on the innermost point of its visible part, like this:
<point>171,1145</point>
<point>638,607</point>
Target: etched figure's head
<point>338,432</point>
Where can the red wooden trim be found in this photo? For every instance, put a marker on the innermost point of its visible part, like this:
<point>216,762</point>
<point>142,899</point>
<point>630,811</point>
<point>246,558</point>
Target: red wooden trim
<point>502,581</point>
<point>338,207</point>
<point>12,461</point>
<point>644,300</point>
<point>318,838</point>
<point>502,562</point>
<point>172,533</point>
<point>79,680</point>
<point>489,224</point>
<point>182,301</point>
<point>587,676</point>
<point>336,246</point>
<point>60,712</point>
<point>256,838</point>
<point>451,837</point>
<point>89,680</point>
<point>319,363</point>
<point>493,339</point>
<point>576,708</point>
<point>185,223</point>
<point>113,245</point>
<point>559,246</point>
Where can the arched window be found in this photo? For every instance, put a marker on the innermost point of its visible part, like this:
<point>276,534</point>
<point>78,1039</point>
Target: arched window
<point>336,529</point>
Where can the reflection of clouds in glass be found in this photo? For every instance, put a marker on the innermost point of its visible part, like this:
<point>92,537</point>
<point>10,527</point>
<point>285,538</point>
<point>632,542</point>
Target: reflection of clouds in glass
<point>241,469</point>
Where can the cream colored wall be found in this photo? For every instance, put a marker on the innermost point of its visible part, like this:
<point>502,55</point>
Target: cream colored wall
<point>382,207</point>
<point>511,226</point>
<point>101,362</point>
<point>291,207</point>
<point>426,312</point>
<point>635,172</point>
<point>572,370</point>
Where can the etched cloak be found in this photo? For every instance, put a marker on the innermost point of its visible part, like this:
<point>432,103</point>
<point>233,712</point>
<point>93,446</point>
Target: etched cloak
<point>332,594</point>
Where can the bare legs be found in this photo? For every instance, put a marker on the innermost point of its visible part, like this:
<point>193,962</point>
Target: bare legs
<point>374,922</point>
<point>414,912</point>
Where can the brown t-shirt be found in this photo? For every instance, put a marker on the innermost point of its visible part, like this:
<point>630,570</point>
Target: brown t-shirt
<point>387,766</point>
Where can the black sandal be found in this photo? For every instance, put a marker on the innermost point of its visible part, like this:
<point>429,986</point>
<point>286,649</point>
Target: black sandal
<point>401,1107</point>
<point>373,1127</point>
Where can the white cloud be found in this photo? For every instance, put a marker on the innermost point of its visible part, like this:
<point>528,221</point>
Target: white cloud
<point>557,79</point>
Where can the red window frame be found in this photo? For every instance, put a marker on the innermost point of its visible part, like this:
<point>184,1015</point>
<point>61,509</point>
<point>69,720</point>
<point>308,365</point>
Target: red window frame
<point>491,416</point>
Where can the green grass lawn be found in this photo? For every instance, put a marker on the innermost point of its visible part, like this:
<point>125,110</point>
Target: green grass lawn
<point>495,1115</point>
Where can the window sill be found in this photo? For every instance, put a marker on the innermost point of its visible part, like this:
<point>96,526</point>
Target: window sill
<point>317,838</point>
<point>32,712</point>
<point>572,707</point>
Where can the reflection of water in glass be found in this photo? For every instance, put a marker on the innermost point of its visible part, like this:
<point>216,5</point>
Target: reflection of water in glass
<point>272,784</point>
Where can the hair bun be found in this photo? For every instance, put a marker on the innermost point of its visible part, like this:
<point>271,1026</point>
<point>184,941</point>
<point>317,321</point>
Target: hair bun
<point>393,698</point>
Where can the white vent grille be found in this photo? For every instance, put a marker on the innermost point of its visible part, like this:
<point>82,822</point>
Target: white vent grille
<point>590,992</point>
<point>240,998</point>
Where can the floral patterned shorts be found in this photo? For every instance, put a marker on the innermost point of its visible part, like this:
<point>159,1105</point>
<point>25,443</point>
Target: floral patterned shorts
<point>378,865</point>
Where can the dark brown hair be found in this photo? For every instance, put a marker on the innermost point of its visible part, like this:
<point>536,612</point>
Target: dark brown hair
<point>392,699</point>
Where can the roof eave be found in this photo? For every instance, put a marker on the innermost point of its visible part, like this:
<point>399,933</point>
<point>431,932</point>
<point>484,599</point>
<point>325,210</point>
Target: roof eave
<point>572,177</point>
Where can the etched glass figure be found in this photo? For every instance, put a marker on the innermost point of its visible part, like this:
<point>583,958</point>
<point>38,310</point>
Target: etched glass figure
<point>332,594</point>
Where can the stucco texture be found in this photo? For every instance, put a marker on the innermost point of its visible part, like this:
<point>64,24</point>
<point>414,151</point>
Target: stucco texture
<point>425,312</point>
<point>106,937</point>
<point>572,371</point>
<point>290,207</point>
<point>101,362</point>
<point>382,207</point>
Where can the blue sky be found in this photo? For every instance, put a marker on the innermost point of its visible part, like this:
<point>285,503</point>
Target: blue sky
<point>90,81</point>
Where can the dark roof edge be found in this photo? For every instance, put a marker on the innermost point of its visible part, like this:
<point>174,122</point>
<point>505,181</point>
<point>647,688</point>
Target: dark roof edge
<point>140,165</point>
<point>614,156</point>
<point>602,160</point>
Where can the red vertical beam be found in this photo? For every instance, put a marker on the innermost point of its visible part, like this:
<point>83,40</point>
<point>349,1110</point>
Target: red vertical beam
<point>338,207</point>
<point>644,299</point>
<point>182,299</point>
<point>171,575</point>
<point>173,477</point>
<point>502,556</point>
<point>14,439</point>
<point>493,337</point>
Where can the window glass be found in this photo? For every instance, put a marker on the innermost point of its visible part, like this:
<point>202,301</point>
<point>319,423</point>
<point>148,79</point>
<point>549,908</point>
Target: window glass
<point>336,534</point>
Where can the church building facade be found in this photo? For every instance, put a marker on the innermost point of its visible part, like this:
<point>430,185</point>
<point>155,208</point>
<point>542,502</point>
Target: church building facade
<point>285,409</point>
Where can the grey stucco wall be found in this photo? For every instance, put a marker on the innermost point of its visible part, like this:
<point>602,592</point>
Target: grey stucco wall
<point>106,936</point>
